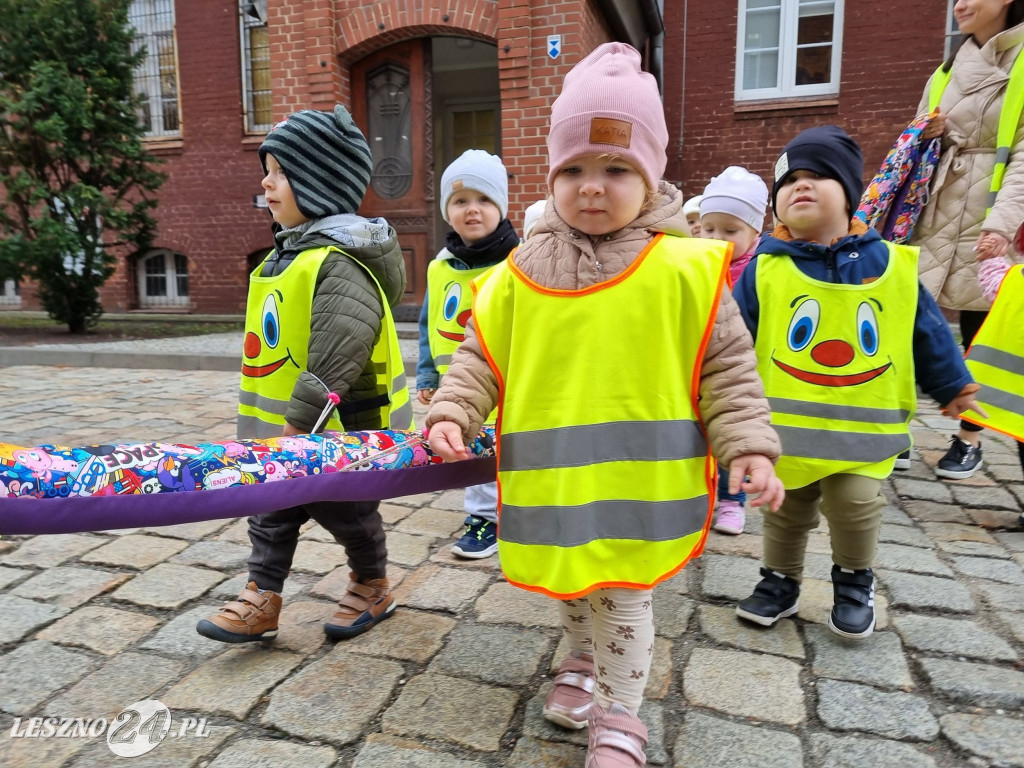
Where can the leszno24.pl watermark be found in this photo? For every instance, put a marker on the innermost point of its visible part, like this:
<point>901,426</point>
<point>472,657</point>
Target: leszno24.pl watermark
<point>137,729</point>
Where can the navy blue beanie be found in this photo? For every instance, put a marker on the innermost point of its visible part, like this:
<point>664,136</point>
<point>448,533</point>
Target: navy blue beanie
<point>829,151</point>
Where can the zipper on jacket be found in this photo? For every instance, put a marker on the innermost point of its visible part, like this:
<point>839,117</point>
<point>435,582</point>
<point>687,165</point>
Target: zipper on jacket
<point>830,265</point>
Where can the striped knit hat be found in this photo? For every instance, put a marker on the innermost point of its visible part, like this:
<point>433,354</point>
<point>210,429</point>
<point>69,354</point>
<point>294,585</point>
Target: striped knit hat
<point>326,159</point>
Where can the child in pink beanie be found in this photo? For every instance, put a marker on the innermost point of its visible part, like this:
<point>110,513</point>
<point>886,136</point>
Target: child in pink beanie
<point>619,364</point>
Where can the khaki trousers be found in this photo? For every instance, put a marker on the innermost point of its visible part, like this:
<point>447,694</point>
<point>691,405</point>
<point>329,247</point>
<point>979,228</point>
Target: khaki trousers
<point>852,504</point>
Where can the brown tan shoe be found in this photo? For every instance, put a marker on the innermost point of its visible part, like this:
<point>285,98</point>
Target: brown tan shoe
<point>253,616</point>
<point>364,604</point>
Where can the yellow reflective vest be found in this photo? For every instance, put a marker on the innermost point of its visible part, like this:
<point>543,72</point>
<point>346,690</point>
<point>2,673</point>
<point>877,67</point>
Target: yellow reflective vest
<point>277,322</point>
<point>838,367</point>
<point>604,472</point>
<point>996,360</point>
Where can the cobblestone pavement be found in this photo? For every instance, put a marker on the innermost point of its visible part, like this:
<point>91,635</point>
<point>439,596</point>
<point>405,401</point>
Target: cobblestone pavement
<point>94,622</point>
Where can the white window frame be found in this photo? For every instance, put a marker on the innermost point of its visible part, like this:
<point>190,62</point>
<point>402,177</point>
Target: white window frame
<point>151,19</point>
<point>251,13</point>
<point>10,293</point>
<point>786,86</point>
<point>952,29</point>
<point>172,298</point>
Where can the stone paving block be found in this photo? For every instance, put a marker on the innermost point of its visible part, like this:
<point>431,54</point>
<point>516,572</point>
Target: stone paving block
<point>10,576</point>
<point>952,636</point>
<point>135,551</point>
<point>877,660</point>
<point>22,617</point>
<point>38,752</point>
<point>987,568</point>
<point>312,704</point>
<point>492,654</point>
<point>1003,597</point>
<point>33,672</point>
<point>231,588</point>
<point>232,683</point>
<point>504,604</point>
<point>744,545</point>
<point>729,578</point>
<point>311,530</point>
<point>446,589</point>
<point>48,551</point>
<point>711,742</point>
<point>1015,623</point>
<point>909,590</point>
<point>264,753</point>
<point>534,753</point>
<point>393,513</point>
<point>974,549</point>
<point>390,752</point>
<point>998,739</point>
<point>854,752</point>
<point>925,490</point>
<point>846,706</point>
<point>672,612</point>
<point>68,586</point>
<point>910,559</point>
<point>178,637</point>
<point>301,626</point>
<point>406,549</point>
<point>435,707</point>
<point>218,555</point>
<point>906,535</point>
<point>189,531</point>
<point>168,586</point>
<point>417,500</point>
<point>124,679</point>
<point>435,523</point>
<point>454,500</point>
<point>409,636</point>
<point>817,598</point>
<point>723,626</point>
<point>318,557</point>
<point>976,684</point>
<point>104,630</point>
<point>739,683</point>
<point>754,523</point>
<point>1013,541</point>
<point>444,556</point>
<point>895,516</point>
<point>334,585</point>
<point>171,753</point>
<point>957,532</point>
<point>995,518</point>
<point>935,512</point>
<point>237,532</point>
<point>983,498</point>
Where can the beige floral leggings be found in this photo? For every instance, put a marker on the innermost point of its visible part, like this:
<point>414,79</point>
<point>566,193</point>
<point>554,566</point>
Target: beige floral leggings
<point>616,625</point>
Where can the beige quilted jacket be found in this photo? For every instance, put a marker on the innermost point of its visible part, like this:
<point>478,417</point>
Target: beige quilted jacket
<point>732,403</point>
<point>954,216</point>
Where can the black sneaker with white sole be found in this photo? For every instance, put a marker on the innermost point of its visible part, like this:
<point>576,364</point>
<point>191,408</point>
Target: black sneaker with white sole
<point>853,612</point>
<point>903,461</point>
<point>774,598</point>
<point>961,460</point>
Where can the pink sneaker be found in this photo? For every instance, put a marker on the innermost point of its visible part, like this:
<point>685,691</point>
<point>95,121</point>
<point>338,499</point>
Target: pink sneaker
<point>617,739</point>
<point>731,517</point>
<point>568,702</point>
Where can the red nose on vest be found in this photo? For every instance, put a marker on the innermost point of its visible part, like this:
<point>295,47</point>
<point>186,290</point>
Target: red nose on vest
<point>834,353</point>
<point>252,345</point>
<point>463,317</point>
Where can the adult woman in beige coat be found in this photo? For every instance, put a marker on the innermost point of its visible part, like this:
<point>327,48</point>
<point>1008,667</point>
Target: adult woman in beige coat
<point>954,231</point>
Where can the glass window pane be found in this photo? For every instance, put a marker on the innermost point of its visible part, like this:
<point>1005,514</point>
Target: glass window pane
<point>751,4</point>
<point>813,30</point>
<point>817,8</point>
<point>761,70</point>
<point>156,79</point>
<point>762,30</point>
<point>814,65</point>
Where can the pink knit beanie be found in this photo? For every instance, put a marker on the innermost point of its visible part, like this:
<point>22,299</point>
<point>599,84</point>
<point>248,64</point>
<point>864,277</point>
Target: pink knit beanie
<point>608,104</point>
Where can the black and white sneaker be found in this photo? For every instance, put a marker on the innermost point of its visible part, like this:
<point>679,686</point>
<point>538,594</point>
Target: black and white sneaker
<point>853,614</point>
<point>903,461</point>
<point>774,598</point>
<point>961,460</point>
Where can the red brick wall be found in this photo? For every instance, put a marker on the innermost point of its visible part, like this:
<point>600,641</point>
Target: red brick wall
<point>889,49</point>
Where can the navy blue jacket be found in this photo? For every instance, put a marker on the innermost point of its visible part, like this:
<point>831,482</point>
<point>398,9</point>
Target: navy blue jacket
<point>939,366</point>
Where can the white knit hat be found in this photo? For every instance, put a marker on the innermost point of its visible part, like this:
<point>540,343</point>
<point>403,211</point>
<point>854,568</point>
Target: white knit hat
<point>479,170</point>
<point>692,205</point>
<point>532,216</point>
<point>738,192</point>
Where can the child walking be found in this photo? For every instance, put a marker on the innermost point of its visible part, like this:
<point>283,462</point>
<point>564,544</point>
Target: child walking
<point>732,209</point>
<point>474,201</point>
<point>318,320</point>
<point>824,299</point>
<point>615,357</point>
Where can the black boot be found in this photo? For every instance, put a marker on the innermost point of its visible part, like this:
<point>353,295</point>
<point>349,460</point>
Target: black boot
<point>853,614</point>
<point>774,598</point>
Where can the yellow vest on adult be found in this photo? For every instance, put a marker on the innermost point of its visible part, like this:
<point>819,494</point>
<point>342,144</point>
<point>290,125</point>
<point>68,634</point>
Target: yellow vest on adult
<point>996,360</point>
<point>604,472</point>
<point>838,367</point>
<point>277,325</point>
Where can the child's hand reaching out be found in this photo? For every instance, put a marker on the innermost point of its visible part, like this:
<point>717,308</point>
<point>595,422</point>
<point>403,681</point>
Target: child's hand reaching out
<point>754,474</point>
<point>445,439</point>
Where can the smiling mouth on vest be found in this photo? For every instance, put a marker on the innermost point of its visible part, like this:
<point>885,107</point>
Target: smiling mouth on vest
<point>452,336</point>
<point>833,379</point>
<point>259,371</point>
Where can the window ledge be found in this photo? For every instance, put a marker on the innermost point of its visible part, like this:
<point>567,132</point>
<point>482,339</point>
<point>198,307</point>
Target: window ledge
<point>162,145</point>
<point>773,107</point>
<point>253,141</point>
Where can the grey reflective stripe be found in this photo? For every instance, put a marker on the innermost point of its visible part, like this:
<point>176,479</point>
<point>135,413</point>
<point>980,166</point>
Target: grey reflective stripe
<point>252,427</point>
<point>402,418</point>
<point>615,519</point>
<point>579,446</point>
<point>834,445</point>
<point>1000,398</point>
<point>1002,155</point>
<point>398,384</point>
<point>991,198</point>
<point>264,403</point>
<point>997,358</point>
<point>442,360</point>
<point>838,412</point>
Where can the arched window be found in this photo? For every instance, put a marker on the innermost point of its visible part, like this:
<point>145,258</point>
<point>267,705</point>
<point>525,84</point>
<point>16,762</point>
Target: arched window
<point>10,293</point>
<point>163,279</point>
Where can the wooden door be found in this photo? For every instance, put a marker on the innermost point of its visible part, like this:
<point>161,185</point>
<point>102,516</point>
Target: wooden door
<point>391,104</point>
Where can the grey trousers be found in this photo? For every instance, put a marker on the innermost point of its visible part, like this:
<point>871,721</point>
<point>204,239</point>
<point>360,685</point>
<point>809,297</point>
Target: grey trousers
<point>356,525</point>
